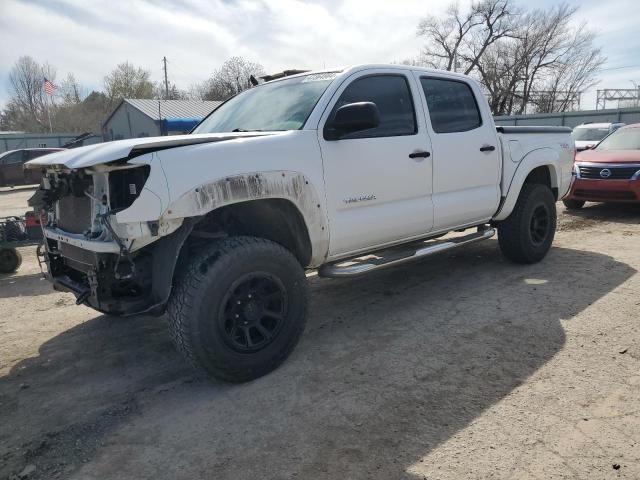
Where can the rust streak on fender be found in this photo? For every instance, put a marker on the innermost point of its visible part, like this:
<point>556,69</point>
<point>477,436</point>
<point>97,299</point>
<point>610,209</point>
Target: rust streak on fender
<point>288,185</point>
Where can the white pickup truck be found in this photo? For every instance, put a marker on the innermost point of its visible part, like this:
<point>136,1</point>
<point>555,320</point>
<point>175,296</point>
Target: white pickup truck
<point>346,171</point>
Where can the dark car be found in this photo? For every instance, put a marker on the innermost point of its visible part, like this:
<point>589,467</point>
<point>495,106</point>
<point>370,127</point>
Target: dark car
<point>12,163</point>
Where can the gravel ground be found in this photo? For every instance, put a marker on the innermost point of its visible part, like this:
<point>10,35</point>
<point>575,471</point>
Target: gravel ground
<point>461,367</point>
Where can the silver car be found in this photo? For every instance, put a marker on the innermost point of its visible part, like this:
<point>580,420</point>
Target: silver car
<point>588,135</point>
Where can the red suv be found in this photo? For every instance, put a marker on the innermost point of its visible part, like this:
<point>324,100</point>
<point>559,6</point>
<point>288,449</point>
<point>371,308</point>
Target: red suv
<point>608,172</point>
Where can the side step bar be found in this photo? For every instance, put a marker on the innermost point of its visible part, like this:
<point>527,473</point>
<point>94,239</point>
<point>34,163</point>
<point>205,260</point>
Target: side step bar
<point>388,258</point>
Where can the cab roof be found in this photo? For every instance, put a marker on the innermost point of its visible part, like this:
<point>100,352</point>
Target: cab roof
<point>345,71</point>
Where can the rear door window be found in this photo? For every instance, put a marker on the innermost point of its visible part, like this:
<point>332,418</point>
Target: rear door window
<point>452,105</point>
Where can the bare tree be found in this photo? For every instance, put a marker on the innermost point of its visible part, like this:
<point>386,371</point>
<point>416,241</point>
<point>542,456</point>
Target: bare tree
<point>230,79</point>
<point>445,36</point>
<point>28,101</point>
<point>128,81</point>
<point>552,62</point>
<point>498,20</point>
<point>536,59</point>
<point>175,93</point>
<point>71,91</point>
<point>198,91</point>
<point>460,38</point>
<point>84,116</point>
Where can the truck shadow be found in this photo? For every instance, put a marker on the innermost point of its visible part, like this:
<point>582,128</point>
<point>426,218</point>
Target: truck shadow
<point>623,213</point>
<point>390,366</point>
<point>16,285</point>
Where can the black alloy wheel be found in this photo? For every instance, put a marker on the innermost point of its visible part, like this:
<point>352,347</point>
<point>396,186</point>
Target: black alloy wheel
<point>540,223</point>
<point>253,311</point>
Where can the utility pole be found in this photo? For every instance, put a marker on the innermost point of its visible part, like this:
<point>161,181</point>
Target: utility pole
<point>166,82</point>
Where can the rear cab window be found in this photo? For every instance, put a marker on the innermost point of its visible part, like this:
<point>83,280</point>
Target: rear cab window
<point>452,105</point>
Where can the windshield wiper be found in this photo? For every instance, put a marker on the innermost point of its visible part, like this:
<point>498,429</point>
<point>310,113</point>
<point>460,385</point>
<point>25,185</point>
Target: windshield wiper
<point>244,130</point>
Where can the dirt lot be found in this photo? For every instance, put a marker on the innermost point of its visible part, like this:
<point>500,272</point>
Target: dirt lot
<point>461,367</point>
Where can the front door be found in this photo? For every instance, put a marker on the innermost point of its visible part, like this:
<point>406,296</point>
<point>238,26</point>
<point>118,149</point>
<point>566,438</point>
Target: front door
<point>376,192</point>
<point>466,155</point>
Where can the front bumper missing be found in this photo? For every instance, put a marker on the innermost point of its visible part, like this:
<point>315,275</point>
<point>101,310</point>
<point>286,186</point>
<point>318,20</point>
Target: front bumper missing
<point>90,270</point>
<point>80,241</point>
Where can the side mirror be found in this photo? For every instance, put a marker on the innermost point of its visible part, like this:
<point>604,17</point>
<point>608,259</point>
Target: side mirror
<point>352,117</point>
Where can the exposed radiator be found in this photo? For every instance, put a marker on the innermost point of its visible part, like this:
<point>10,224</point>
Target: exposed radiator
<point>75,214</point>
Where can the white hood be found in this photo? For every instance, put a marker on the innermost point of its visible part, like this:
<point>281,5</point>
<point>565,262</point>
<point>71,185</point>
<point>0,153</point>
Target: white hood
<point>584,144</point>
<point>90,155</point>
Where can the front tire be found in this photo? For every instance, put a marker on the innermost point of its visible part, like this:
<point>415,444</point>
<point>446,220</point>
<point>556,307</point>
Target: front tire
<point>573,204</point>
<point>239,309</point>
<point>527,234</point>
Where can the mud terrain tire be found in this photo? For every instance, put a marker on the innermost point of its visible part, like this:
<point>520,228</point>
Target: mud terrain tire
<point>239,308</point>
<point>527,234</point>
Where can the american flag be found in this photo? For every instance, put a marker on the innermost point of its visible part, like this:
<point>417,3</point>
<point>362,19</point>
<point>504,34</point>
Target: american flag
<point>49,87</point>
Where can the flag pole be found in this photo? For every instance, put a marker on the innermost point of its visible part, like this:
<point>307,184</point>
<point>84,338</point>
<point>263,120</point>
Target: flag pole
<point>49,89</point>
<point>49,116</point>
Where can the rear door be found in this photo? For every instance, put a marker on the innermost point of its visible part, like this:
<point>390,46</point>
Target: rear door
<point>466,157</point>
<point>378,190</point>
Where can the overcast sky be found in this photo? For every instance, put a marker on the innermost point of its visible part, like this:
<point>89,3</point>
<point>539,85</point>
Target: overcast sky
<point>89,37</point>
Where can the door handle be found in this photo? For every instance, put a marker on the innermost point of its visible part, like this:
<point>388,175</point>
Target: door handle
<point>419,154</point>
<point>487,148</point>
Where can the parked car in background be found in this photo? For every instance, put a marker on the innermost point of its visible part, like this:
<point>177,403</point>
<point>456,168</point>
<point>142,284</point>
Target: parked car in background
<point>588,135</point>
<point>610,172</point>
<point>12,171</point>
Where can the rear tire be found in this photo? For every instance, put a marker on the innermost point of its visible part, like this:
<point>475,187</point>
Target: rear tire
<point>527,234</point>
<point>239,308</point>
<point>573,204</point>
<point>10,260</point>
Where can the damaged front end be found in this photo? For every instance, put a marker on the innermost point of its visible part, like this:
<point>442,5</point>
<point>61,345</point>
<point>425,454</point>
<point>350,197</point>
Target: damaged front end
<point>115,267</point>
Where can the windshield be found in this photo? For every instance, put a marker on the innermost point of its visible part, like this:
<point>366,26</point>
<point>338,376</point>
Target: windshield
<point>281,105</point>
<point>590,134</point>
<point>624,139</point>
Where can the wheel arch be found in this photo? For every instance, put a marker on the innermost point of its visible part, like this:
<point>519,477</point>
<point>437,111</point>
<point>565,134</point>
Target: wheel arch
<point>275,219</point>
<point>289,191</point>
<point>281,206</point>
<point>538,167</point>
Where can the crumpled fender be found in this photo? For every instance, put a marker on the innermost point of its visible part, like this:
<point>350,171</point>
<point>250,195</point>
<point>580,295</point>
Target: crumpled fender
<point>279,184</point>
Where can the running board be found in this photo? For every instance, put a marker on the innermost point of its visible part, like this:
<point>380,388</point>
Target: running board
<point>362,264</point>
